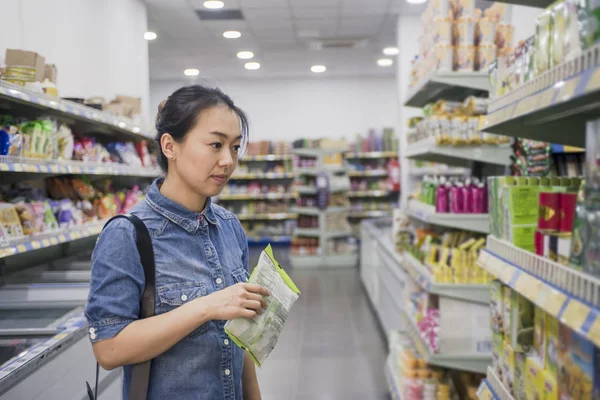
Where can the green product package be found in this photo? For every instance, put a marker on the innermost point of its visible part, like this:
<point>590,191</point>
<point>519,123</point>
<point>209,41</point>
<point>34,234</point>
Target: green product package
<point>258,336</point>
<point>520,212</point>
<point>580,236</point>
<point>521,325</point>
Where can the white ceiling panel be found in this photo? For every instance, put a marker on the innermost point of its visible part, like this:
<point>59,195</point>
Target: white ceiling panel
<point>308,24</point>
<point>264,4</point>
<point>199,4</point>
<point>315,12</point>
<point>285,33</point>
<point>314,3</point>
<point>267,13</point>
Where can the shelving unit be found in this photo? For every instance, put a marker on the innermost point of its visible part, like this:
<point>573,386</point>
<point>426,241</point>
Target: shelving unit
<point>362,174</point>
<point>422,171</point>
<point>369,214</point>
<point>461,156</point>
<point>552,107</point>
<point>493,388</point>
<point>82,118</point>
<point>258,196</point>
<point>448,86</point>
<point>427,214</point>
<point>566,294</point>
<point>263,176</point>
<point>371,155</point>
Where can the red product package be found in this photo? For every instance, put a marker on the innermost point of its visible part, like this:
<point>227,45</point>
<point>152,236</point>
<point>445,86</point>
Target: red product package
<point>142,150</point>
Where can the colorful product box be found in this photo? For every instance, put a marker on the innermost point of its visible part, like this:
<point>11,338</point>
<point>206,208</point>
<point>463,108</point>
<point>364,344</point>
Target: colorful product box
<point>534,379</point>
<point>539,335</point>
<point>521,323</point>
<point>578,366</point>
<point>506,296</point>
<point>508,368</point>
<point>550,388</point>
<point>497,354</point>
<point>520,218</point>
<point>519,391</point>
<point>552,344</point>
<point>497,307</point>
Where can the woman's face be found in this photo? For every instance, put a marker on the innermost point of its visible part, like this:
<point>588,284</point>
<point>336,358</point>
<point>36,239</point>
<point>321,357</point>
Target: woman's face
<point>208,155</point>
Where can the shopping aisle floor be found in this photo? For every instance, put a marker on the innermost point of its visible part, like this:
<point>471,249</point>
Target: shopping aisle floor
<point>331,347</point>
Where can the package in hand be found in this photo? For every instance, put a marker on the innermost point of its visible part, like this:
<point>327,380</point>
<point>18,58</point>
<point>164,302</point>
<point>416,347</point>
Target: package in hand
<point>259,335</point>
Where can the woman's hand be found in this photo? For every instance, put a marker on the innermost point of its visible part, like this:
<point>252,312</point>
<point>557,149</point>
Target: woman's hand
<point>243,300</point>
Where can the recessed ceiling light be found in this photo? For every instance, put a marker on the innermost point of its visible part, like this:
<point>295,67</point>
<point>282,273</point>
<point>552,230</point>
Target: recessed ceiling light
<point>385,62</point>
<point>252,65</point>
<point>391,51</point>
<point>191,72</point>
<point>317,69</point>
<point>416,1</point>
<point>231,34</point>
<point>245,55</point>
<point>150,35</point>
<point>214,4</point>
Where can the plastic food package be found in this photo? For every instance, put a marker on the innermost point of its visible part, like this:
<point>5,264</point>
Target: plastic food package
<point>38,139</point>
<point>440,8</point>
<point>143,153</point>
<point>486,54</point>
<point>464,58</point>
<point>259,335</point>
<point>65,143</point>
<point>557,44</point>
<point>443,30</point>
<point>27,217</point>
<point>464,31</point>
<point>485,32</point>
<point>444,56</point>
<point>10,221</point>
<point>464,8</point>
<point>542,42</point>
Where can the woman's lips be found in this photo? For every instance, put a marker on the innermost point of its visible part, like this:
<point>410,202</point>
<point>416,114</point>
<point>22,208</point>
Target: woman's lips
<point>221,179</point>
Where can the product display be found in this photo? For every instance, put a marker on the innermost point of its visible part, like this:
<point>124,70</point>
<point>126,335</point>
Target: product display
<point>454,195</point>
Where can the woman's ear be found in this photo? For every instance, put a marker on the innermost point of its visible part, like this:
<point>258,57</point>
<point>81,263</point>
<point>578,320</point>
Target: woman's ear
<point>167,145</point>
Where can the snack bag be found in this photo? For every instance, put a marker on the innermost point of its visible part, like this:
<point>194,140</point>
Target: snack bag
<point>10,221</point>
<point>259,335</point>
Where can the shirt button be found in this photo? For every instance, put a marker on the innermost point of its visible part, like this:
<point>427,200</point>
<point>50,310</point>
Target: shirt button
<point>227,372</point>
<point>92,335</point>
<point>219,281</point>
<point>183,297</point>
<point>92,330</point>
<point>226,342</point>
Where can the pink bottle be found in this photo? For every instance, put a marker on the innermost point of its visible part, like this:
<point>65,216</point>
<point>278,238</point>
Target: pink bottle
<point>441,197</point>
<point>456,199</point>
<point>480,199</point>
<point>468,196</point>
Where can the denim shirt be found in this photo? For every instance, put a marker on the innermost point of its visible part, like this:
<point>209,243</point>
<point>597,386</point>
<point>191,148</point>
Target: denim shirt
<point>196,255</point>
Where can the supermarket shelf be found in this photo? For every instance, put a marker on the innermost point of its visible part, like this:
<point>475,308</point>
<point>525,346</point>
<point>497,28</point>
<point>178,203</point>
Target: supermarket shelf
<point>85,118</point>
<point>261,196</point>
<point>371,154</point>
<point>264,217</point>
<point>448,86</point>
<point>266,240</point>
<point>464,362</point>
<point>316,171</point>
<point>306,190</point>
<point>33,166</point>
<point>269,157</point>
<point>459,156</point>
<point>439,171</point>
<point>311,262</point>
<point>338,234</point>
<point>485,392</point>
<point>552,107</point>
<point>31,243</point>
<point>495,387</point>
<point>561,149</point>
<point>316,211</point>
<point>470,222</point>
<point>268,175</point>
<point>563,292</point>
<point>317,152</point>
<point>311,232</point>
<point>391,377</point>
<point>341,260</point>
<point>369,214</point>
<point>529,3</point>
<point>375,172</point>
<point>370,193</point>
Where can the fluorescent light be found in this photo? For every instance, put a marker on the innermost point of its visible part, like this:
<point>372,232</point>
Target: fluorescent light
<point>317,69</point>
<point>231,34</point>
<point>252,65</point>
<point>416,1</point>
<point>391,51</point>
<point>150,35</point>
<point>385,62</point>
<point>214,4</point>
<point>245,55</point>
<point>191,72</point>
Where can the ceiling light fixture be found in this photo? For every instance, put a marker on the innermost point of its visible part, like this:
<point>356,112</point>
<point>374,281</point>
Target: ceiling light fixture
<point>231,34</point>
<point>150,35</point>
<point>385,62</point>
<point>191,72</point>
<point>416,1</point>
<point>245,55</point>
<point>252,65</point>
<point>391,51</point>
<point>214,4</point>
<point>317,69</point>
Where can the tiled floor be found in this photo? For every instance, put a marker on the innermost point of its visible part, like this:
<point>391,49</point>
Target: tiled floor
<point>331,347</point>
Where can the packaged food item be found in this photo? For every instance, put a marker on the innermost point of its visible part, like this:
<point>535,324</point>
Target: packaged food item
<point>464,58</point>
<point>539,336</point>
<point>464,31</point>
<point>557,44</point>
<point>498,354</point>
<point>520,202</point>
<point>443,57</point>
<point>519,390</point>
<point>543,30</point>
<point>552,344</point>
<point>442,8</point>
<point>563,248</point>
<point>578,366</point>
<point>504,36</point>
<point>65,143</point>
<point>589,21</point>
<point>550,386</point>
<point>9,218</point>
<point>464,8</point>
<point>549,212</point>
<point>508,368</point>
<point>486,55</point>
<point>506,307</point>
<point>580,235</point>
<point>443,30</point>
<point>521,335</point>
<point>485,32</point>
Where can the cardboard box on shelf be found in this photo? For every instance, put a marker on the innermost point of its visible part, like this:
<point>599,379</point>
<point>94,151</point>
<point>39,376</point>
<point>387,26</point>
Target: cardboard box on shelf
<point>25,58</point>
<point>134,102</point>
<point>119,109</point>
<point>50,72</point>
<point>578,369</point>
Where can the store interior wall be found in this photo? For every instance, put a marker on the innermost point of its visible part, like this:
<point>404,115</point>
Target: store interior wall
<point>97,46</point>
<point>290,109</point>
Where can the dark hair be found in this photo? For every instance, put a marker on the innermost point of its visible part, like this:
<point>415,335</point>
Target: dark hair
<point>178,113</point>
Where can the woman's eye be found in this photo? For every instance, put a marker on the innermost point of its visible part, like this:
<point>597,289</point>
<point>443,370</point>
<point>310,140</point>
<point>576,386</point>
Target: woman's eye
<point>216,145</point>
<point>237,148</point>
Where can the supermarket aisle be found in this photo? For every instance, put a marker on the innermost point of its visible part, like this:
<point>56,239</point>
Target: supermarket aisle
<point>331,347</point>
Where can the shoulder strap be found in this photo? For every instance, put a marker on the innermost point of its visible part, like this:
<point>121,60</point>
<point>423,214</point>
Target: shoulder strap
<point>140,376</point>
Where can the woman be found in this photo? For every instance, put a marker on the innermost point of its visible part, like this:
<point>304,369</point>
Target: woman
<point>201,257</point>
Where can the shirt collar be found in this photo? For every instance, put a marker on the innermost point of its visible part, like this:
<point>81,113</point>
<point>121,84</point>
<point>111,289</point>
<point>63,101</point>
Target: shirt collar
<point>189,220</point>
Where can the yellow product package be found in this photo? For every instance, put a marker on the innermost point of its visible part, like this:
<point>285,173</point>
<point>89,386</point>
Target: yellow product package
<point>259,335</point>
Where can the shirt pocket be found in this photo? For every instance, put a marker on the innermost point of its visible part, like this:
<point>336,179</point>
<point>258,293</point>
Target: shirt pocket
<point>177,294</point>
<point>240,275</point>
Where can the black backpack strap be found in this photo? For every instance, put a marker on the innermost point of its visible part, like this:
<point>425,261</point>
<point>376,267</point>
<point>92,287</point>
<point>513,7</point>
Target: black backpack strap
<point>140,376</point>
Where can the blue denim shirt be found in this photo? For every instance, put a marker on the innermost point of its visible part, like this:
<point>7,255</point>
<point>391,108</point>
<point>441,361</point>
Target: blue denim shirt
<point>196,255</point>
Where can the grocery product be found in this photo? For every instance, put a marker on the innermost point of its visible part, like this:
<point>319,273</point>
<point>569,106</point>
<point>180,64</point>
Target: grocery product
<point>540,335</point>
<point>464,58</point>
<point>520,335</point>
<point>508,367</point>
<point>534,379</point>
<point>542,42</point>
<point>578,366</point>
<point>10,221</point>
<point>552,345</point>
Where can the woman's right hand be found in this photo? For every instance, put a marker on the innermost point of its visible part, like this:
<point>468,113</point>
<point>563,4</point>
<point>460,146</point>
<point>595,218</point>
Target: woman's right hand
<point>242,300</point>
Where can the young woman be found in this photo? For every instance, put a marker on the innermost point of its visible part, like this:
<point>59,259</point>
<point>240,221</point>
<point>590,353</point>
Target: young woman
<point>201,257</point>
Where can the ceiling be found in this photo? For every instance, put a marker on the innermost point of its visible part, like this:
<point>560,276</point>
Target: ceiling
<point>281,33</point>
